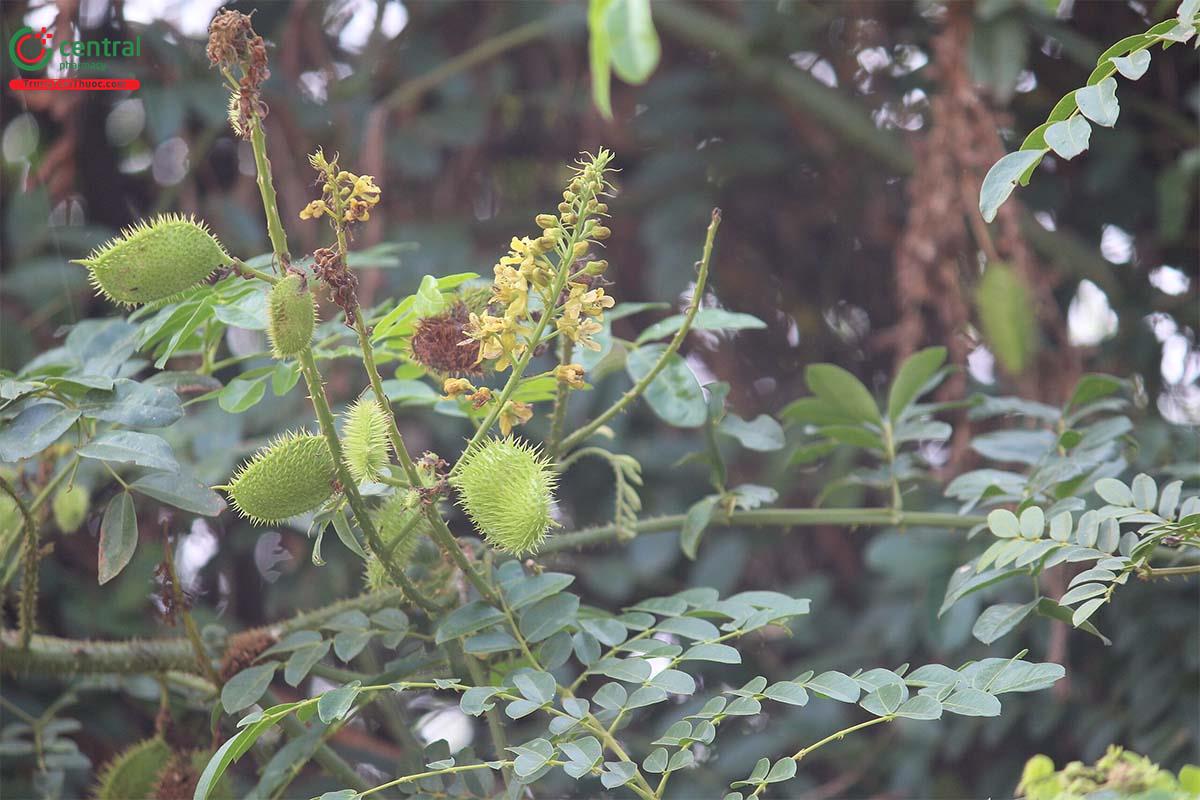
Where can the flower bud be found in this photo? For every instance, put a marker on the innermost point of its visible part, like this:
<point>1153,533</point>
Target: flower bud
<point>546,221</point>
<point>600,233</point>
<point>595,267</point>
<point>580,250</point>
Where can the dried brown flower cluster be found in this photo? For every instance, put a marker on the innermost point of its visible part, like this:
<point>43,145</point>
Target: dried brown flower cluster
<point>436,343</point>
<point>233,42</point>
<point>331,270</point>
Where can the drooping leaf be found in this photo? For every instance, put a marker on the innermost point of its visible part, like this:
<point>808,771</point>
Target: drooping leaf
<point>118,537</point>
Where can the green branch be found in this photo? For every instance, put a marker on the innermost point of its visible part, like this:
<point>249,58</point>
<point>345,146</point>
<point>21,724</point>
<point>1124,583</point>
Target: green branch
<point>774,517</point>
<point>677,340</point>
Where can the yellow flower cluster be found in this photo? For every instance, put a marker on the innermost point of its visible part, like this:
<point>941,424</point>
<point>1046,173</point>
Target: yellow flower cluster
<point>345,197</point>
<point>577,309</point>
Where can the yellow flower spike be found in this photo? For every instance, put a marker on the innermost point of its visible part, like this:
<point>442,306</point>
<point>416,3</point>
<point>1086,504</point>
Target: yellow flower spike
<point>507,489</point>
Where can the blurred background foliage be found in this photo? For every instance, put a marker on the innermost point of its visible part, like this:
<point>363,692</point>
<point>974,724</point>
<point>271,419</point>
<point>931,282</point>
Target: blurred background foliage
<point>842,140</point>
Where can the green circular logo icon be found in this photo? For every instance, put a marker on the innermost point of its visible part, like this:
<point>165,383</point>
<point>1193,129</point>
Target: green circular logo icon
<point>28,50</point>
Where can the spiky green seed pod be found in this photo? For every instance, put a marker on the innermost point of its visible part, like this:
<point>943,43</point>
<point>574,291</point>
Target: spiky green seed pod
<point>153,261</point>
<point>291,315</point>
<point>133,773</point>
<point>507,489</point>
<point>401,524</point>
<point>290,476</point>
<point>70,506</point>
<point>365,439</point>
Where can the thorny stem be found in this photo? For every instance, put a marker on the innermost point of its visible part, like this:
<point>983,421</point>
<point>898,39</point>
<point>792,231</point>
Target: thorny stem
<point>778,517</point>
<point>189,624</point>
<point>1150,573</point>
<point>29,557</point>
<point>266,187</point>
<point>312,375</point>
<point>640,387</point>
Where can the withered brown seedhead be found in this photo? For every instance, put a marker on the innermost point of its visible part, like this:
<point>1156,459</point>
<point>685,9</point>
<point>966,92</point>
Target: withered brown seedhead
<point>232,42</point>
<point>243,648</point>
<point>343,284</point>
<point>436,344</point>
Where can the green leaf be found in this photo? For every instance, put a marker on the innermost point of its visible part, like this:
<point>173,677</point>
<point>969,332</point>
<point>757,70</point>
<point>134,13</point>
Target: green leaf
<point>34,429</point>
<point>1004,523</point>
<point>1006,314</point>
<point>334,704</point>
<point>1085,611</point>
<point>533,756</point>
<point>1134,65</point>
<point>1099,103</point>
<point>468,619</point>
<point>674,395</point>
<point>600,58</point>
<point>695,523</point>
<point>245,688</point>
<point>674,681</point>
<point>840,389</point>
<point>529,589</point>
<point>475,700</point>
<point>835,685</point>
<point>303,660</point>
<point>241,394</point>
<point>720,653</point>
<point>633,42</point>
<point>970,702</point>
<point>706,319</point>
<point>131,447</point>
<point>885,700</point>
<point>617,773</point>
<point>1002,178</point>
<point>537,687</point>
<point>1113,491</point>
<point>656,762</point>
<point>549,616</point>
<point>762,434</point>
<point>999,619</point>
<point>689,628</point>
<point>1070,137</point>
<point>815,411</point>
<point>181,491</point>
<point>911,378</point>
<point>138,405</point>
<point>920,707</point>
<point>787,692</point>
<point>783,770</point>
<point>629,670</point>
<point>118,537</point>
